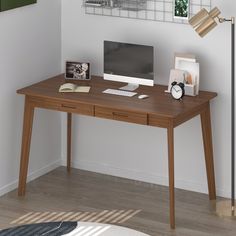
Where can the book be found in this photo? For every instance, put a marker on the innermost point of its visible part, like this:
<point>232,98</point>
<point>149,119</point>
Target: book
<point>73,88</point>
<point>193,69</point>
<point>188,63</point>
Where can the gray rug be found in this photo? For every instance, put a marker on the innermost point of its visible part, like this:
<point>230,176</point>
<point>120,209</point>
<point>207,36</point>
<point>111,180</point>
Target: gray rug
<point>44,229</point>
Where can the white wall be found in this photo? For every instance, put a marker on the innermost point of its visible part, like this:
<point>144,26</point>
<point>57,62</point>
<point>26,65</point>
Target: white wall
<point>30,50</point>
<point>140,152</point>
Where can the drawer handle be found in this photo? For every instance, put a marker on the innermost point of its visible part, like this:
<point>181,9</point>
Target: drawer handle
<point>119,114</point>
<point>66,106</point>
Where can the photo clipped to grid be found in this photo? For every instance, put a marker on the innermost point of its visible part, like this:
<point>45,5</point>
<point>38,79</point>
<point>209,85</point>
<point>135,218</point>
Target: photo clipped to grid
<point>174,11</point>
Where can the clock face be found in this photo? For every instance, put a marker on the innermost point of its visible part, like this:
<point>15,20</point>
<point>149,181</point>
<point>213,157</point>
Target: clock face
<point>176,91</point>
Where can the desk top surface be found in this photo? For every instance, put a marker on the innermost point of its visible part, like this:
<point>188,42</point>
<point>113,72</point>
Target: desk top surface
<point>159,103</point>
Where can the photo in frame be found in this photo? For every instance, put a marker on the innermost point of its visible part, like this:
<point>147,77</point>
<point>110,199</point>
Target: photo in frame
<point>181,9</point>
<point>77,70</point>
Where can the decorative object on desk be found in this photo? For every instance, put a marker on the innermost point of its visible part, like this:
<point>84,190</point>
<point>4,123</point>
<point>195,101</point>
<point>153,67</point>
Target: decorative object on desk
<point>77,70</point>
<point>178,76</point>
<point>177,90</point>
<point>189,63</point>
<point>181,9</point>
<point>182,76</point>
<point>11,4</point>
<point>203,22</point>
<point>73,88</point>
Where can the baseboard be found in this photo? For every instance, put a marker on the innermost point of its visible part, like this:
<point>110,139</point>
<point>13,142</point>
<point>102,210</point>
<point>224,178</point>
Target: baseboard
<point>31,176</point>
<point>142,176</point>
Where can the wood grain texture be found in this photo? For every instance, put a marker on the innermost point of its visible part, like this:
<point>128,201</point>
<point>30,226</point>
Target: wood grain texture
<point>83,191</point>
<point>159,110</point>
<point>25,146</point>
<point>170,138</point>
<point>159,103</point>
<point>116,114</point>
<point>69,131</point>
<point>208,149</point>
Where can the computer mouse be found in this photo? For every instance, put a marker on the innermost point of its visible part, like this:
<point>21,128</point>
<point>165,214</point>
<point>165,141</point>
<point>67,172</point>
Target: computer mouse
<point>143,96</point>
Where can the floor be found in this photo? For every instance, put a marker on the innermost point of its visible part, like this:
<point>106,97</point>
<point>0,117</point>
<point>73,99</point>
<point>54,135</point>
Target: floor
<point>92,193</point>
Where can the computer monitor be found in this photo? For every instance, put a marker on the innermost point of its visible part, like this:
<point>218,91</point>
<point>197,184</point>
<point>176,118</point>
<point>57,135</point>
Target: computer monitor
<point>130,63</point>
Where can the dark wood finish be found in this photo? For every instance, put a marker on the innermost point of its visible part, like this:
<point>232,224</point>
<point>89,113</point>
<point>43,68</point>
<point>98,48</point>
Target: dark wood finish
<point>25,146</point>
<point>159,105</point>
<point>116,114</point>
<point>189,114</point>
<point>158,120</point>
<point>65,106</point>
<point>159,110</point>
<point>69,123</point>
<point>170,138</point>
<point>208,149</point>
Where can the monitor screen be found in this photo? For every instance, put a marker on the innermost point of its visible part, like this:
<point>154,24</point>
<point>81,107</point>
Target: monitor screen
<point>129,61</point>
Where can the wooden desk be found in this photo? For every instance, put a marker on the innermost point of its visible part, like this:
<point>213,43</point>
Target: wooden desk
<point>159,110</point>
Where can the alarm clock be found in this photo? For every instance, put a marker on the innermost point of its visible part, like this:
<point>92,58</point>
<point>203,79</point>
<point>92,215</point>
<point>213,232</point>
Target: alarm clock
<point>177,90</point>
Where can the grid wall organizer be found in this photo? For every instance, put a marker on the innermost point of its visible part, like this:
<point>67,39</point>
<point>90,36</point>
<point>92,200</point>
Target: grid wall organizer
<point>155,10</point>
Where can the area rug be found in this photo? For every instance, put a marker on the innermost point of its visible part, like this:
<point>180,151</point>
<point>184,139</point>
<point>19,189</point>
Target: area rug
<point>44,229</point>
<point>70,229</point>
<point>104,216</point>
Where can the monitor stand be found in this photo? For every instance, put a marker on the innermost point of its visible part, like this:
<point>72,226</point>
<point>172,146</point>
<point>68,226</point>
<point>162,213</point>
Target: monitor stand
<point>130,87</point>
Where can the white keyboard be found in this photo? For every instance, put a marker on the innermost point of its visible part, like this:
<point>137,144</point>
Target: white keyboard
<point>120,92</point>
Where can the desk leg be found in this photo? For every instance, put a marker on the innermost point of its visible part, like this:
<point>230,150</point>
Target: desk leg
<point>208,149</point>
<point>25,146</point>
<point>170,137</point>
<point>69,122</point>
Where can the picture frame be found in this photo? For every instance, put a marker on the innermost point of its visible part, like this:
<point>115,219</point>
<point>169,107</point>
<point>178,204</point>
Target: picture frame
<point>77,70</point>
<point>181,9</point>
<point>178,57</point>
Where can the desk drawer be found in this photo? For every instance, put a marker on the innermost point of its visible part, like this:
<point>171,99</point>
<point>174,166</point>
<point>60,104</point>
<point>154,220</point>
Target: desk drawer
<point>127,116</point>
<point>83,109</point>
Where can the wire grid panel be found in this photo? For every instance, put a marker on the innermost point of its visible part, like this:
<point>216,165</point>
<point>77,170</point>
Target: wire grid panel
<point>156,10</point>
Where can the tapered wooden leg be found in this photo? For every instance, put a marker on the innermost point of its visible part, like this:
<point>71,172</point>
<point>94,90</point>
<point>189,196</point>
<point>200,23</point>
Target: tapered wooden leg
<point>170,135</point>
<point>25,146</point>
<point>208,149</point>
<point>69,122</point>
